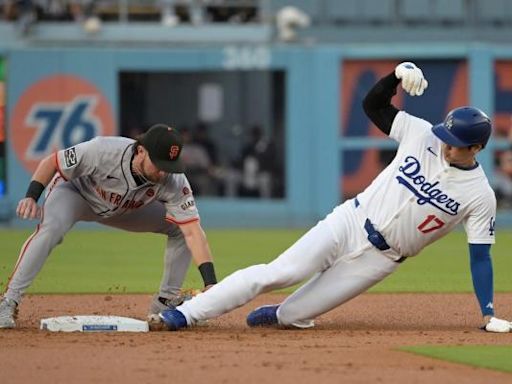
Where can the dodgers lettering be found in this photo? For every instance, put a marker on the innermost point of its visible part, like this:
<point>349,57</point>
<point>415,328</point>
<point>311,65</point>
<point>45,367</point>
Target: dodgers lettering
<point>426,192</point>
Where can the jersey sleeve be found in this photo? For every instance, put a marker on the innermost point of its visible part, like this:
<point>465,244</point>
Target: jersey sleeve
<point>408,128</point>
<point>179,201</point>
<point>78,160</point>
<point>480,223</point>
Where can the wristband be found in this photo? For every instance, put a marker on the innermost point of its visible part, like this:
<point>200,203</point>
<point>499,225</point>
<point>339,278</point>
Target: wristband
<point>35,189</point>
<point>208,273</point>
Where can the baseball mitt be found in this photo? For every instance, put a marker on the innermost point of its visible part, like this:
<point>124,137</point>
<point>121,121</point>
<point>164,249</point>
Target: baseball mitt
<point>154,321</point>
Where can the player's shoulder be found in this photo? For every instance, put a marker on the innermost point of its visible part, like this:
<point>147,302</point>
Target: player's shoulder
<point>113,140</point>
<point>487,189</point>
<point>481,187</point>
<point>405,122</point>
<point>176,182</point>
<point>406,118</point>
<point>110,143</point>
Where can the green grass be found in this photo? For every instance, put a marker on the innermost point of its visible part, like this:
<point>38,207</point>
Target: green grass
<point>116,261</point>
<point>444,267</point>
<point>496,357</point>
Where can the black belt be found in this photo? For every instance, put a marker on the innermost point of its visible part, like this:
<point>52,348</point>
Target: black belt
<point>375,237</point>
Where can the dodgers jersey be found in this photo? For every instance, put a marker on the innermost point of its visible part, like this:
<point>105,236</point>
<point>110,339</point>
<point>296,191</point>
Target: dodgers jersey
<point>100,169</point>
<point>419,197</point>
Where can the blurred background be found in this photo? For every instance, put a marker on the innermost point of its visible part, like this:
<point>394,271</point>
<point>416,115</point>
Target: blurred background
<point>267,93</point>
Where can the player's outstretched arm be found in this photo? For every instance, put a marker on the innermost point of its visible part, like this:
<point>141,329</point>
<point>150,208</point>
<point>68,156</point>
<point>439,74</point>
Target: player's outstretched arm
<point>201,254</point>
<point>27,207</point>
<point>482,275</point>
<point>377,103</point>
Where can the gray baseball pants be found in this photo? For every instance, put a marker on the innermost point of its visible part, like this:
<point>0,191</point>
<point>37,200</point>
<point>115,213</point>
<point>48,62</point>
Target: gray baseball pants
<point>64,206</point>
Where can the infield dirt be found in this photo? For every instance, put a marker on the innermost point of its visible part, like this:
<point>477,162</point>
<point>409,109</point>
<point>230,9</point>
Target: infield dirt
<point>355,343</point>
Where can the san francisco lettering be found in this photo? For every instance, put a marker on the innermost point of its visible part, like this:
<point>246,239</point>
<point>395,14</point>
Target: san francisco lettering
<point>116,199</point>
<point>426,192</point>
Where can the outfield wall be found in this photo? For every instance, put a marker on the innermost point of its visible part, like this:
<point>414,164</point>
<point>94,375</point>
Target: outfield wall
<point>330,149</point>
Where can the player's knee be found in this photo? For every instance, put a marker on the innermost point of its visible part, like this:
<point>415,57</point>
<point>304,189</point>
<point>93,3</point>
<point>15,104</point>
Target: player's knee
<point>275,277</point>
<point>283,275</point>
<point>256,277</point>
<point>264,277</point>
<point>56,225</point>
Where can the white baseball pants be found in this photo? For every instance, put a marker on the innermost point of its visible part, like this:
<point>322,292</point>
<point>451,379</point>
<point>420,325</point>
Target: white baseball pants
<point>334,254</point>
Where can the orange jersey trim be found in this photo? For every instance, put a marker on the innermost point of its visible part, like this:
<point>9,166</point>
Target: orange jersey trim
<point>20,257</point>
<point>57,166</point>
<point>170,219</point>
<point>29,240</point>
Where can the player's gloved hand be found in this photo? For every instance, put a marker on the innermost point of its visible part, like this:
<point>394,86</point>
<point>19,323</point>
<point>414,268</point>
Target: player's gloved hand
<point>413,81</point>
<point>28,209</point>
<point>498,325</point>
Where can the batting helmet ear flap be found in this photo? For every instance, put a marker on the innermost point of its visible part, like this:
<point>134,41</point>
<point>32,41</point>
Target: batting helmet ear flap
<point>463,127</point>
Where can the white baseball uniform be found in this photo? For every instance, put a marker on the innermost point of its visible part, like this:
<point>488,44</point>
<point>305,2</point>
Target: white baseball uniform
<point>95,183</point>
<point>416,200</point>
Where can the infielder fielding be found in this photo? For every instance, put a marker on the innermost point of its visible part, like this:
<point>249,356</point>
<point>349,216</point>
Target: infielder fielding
<point>433,184</point>
<point>136,185</point>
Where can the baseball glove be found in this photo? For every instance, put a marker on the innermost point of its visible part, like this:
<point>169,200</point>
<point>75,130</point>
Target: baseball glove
<point>159,304</point>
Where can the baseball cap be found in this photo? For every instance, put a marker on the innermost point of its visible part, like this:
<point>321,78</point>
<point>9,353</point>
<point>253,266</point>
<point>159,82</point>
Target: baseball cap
<point>164,145</point>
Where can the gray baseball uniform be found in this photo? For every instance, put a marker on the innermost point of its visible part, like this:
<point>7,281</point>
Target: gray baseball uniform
<point>95,183</point>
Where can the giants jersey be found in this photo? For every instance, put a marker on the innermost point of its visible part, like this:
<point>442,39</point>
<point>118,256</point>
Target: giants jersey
<point>100,169</point>
<point>419,197</point>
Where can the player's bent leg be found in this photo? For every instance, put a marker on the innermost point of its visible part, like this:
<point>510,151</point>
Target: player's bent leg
<point>176,263</point>
<point>335,286</point>
<point>151,218</point>
<point>61,210</point>
<point>310,254</point>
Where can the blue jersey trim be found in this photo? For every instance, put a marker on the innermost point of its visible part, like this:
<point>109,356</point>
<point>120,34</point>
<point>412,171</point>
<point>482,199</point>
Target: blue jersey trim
<point>465,168</point>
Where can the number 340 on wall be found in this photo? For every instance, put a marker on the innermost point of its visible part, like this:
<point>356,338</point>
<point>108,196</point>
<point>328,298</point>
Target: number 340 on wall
<point>243,57</point>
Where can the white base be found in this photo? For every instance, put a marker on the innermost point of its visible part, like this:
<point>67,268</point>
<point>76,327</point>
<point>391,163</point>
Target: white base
<point>93,324</point>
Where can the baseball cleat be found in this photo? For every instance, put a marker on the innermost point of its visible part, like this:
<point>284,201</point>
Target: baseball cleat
<point>8,313</point>
<point>265,316</point>
<point>173,319</point>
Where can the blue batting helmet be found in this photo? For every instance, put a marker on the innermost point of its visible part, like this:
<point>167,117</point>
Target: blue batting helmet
<point>463,127</point>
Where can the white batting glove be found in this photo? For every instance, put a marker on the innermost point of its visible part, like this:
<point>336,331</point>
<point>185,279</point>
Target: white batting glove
<point>413,81</point>
<point>498,325</point>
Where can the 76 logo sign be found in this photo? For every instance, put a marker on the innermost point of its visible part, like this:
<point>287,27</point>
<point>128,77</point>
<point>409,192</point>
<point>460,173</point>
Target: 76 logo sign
<point>62,125</point>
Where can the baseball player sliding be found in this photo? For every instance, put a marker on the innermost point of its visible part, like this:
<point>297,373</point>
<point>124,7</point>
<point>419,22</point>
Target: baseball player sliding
<point>433,184</point>
<point>136,185</point>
